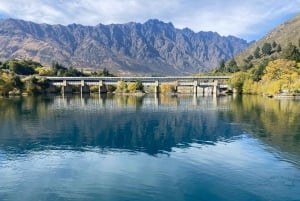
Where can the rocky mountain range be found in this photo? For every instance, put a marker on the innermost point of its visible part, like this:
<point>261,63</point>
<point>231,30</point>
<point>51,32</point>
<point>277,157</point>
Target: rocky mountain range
<point>151,48</point>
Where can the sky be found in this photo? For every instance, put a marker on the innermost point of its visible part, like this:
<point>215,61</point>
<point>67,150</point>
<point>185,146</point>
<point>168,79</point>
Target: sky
<point>247,19</point>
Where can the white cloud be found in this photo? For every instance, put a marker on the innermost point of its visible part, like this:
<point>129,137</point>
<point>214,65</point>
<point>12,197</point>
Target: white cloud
<point>231,17</point>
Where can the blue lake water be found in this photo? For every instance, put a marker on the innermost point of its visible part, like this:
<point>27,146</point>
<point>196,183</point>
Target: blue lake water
<point>149,148</point>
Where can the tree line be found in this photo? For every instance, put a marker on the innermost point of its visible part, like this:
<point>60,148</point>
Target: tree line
<point>25,76</point>
<point>269,70</point>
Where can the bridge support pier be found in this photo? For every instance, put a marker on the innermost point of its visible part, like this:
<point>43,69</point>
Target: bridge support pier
<point>81,87</point>
<point>156,86</point>
<point>100,85</point>
<point>84,88</point>
<point>195,87</point>
<point>65,88</point>
<point>175,85</point>
<point>64,84</point>
<point>201,91</point>
<point>216,88</point>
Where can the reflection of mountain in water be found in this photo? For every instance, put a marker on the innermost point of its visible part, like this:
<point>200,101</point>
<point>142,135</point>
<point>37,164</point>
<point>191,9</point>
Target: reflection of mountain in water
<point>146,124</point>
<point>149,124</point>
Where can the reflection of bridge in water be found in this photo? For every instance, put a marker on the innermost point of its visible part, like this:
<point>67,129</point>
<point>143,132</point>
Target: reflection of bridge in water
<point>198,84</point>
<point>147,102</point>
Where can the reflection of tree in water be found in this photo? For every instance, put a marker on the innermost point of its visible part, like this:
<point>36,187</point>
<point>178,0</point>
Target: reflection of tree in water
<point>277,122</point>
<point>136,129</point>
<point>125,122</point>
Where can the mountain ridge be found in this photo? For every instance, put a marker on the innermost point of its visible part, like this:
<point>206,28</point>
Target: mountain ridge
<point>283,34</point>
<point>149,48</point>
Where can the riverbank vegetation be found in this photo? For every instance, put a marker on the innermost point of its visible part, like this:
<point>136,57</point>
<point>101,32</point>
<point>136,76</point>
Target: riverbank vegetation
<point>270,70</point>
<point>26,76</point>
<point>167,88</point>
<point>131,87</point>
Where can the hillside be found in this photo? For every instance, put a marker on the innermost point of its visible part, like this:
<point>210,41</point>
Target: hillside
<point>151,48</point>
<point>271,66</point>
<point>288,32</point>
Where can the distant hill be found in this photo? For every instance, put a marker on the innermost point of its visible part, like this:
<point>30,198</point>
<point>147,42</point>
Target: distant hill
<point>288,32</point>
<point>151,48</point>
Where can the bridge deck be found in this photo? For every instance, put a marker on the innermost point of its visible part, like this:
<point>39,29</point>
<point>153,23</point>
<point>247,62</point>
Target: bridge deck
<point>143,79</point>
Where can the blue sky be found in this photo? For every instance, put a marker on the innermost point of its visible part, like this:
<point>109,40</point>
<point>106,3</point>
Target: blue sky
<point>248,19</point>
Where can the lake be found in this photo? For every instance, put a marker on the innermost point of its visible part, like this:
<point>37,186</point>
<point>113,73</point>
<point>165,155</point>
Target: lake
<point>131,148</point>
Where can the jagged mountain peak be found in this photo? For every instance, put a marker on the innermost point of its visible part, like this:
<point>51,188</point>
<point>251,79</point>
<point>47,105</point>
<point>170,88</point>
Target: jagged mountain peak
<point>152,47</point>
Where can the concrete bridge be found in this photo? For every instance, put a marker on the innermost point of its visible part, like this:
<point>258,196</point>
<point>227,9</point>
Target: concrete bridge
<point>197,84</point>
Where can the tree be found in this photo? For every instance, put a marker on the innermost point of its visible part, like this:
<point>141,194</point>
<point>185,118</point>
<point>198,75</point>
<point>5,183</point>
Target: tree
<point>139,85</point>
<point>122,86</point>
<point>10,84</point>
<point>250,87</point>
<point>103,73</point>
<point>266,49</point>
<point>17,83</point>
<point>256,53</point>
<point>167,88</point>
<point>44,71</point>
<point>291,52</point>
<point>232,66</point>
<point>111,88</point>
<point>72,72</point>
<point>271,88</point>
<point>246,66</point>
<point>6,83</point>
<point>131,87</point>
<point>258,70</point>
<point>281,73</point>
<point>57,66</point>
<point>249,58</point>
<point>34,85</point>
<point>237,81</point>
<point>20,67</point>
<point>60,70</point>
<point>222,65</point>
<point>278,48</point>
<point>274,44</point>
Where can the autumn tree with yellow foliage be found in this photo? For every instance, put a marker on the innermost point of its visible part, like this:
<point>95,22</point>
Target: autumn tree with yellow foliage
<point>9,83</point>
<point>281,76</point>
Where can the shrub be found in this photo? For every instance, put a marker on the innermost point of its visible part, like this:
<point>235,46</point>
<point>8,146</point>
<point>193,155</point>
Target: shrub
<point>167,88</point>
<point>121,87</point>
<point>131,87</point>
